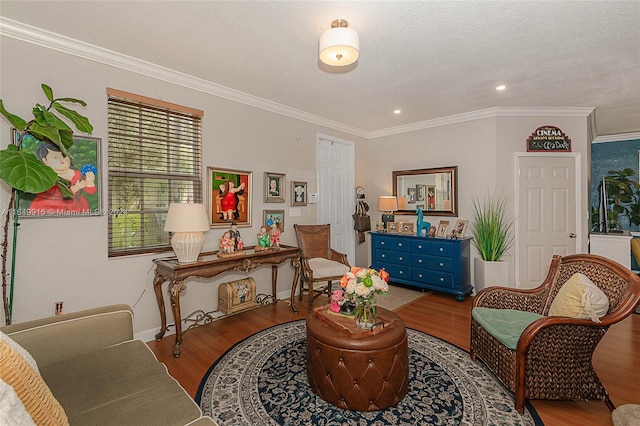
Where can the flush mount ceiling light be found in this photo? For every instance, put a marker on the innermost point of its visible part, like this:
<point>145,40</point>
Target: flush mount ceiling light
<point>339,46</point>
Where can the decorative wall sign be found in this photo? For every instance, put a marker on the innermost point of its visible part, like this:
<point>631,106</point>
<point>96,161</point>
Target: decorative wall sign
<point>548,139</point>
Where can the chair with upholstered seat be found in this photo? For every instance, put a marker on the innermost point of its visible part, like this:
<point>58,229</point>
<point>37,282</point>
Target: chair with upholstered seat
<point>320,263</point>
<point>540,356</point>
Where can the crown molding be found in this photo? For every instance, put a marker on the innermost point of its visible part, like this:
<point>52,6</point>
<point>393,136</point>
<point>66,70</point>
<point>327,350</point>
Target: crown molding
<point>37,36</point>
<point>618,138</point>
<point>485,113</point>
<point>40,37</point>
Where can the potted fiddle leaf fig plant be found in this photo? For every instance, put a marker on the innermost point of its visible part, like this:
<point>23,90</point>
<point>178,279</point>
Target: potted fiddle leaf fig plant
<point>23,171</point>
<point>492,234</point>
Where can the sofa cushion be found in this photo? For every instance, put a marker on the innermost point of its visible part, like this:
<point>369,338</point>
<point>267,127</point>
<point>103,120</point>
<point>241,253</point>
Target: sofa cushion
<point>579,297</point>
<point>27,383</point>
<point>120,385</point>
<point>12,411</point>
<point>506,325</point>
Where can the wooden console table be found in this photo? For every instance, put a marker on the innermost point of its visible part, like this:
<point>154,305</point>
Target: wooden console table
<point>209,265</point>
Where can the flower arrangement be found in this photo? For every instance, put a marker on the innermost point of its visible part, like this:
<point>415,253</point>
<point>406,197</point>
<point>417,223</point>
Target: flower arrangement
<point>362,285</point>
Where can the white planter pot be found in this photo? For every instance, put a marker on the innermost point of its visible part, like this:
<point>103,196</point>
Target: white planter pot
<point>490,273</point>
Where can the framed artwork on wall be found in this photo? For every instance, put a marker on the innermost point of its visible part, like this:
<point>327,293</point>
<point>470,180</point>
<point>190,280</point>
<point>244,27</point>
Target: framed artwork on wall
<point>298,193</point>
<point>229,197</point>
<point>274,187</point>
<point>421,191</point>
<point>78,173</point>
<point>270,217</point>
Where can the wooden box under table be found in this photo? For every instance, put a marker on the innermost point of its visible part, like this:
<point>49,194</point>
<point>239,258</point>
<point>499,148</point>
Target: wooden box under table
<point>237,295</point>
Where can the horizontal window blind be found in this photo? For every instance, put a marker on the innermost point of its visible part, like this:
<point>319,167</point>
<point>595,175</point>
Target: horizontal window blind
<point>155,158</point>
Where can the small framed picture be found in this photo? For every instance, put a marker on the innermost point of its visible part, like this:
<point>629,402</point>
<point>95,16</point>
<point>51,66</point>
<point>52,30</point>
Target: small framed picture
<point>298,193</point>
<point>274,187</point>
<point>406,227</point>
<point>460,229</point>
<point>442,229</point>
<point>271,217</point>
<point>421,192</point>
<point>392,227</point>
<point>411,195</point>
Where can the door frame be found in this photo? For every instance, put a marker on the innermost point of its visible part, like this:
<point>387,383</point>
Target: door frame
<point>578,201</point>
<point>349,197</point>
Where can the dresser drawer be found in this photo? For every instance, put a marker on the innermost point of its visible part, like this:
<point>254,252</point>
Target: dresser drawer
<point>436,278</point>
<point>391,243</point>
<point>433,248</point>
<point>396,271</point>
<point>395,257</point>
<point>442,264</point>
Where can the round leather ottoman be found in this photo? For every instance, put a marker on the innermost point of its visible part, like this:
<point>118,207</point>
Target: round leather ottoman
<point>355,370</point>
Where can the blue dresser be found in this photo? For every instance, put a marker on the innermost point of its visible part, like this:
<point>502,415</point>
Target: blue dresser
<point>425,262</point>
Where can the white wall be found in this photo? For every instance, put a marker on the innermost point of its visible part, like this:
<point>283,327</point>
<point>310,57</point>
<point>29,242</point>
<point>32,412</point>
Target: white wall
<point>483,149</point>
<point>66,259</point>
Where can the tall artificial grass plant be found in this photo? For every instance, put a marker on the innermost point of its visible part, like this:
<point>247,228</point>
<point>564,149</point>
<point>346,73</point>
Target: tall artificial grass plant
<point>491,229</point>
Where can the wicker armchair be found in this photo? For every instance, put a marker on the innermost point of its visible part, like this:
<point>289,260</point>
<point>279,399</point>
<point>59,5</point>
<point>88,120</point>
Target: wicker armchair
<point>553,357</point>
<point>320,263</point>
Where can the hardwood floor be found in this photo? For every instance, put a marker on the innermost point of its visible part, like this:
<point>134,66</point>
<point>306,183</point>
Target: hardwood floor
<point>617,358</point>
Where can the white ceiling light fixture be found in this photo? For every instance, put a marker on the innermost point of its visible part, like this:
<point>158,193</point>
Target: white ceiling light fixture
<point>339,45</point>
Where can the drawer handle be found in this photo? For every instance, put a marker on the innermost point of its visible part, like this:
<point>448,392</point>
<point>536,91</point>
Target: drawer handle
<point>441,264</point>
<point>419,245</point>
<point>401,272</point>
<point>441,249</point>
<point>419,260</point>
<point>381,243</point>
<point>399,244</point>
<point>419,275</point>
<point>441,279</point>
<point>384,255</point>
<point>400,258</point>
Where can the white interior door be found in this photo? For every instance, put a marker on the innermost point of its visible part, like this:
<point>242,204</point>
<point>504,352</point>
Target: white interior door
<point>547,215</point>
<point>335,165</point>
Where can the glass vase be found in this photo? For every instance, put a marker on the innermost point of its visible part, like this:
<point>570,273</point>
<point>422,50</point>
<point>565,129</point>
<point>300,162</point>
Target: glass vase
<point>366,312</point>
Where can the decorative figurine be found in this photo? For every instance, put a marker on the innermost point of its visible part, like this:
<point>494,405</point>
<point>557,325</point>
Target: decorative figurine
<point>264,239</point>
<point>274,233</point>
<point>422,224</point>
<point>238,245</point>
<point>226,243</point>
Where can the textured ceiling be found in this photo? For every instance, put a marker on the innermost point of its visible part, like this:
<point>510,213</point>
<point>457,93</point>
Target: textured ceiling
<point>431,59</point>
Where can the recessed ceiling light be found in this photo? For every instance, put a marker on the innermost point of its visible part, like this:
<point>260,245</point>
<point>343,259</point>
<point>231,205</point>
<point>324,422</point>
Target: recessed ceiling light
<point>501,88</point>
<point>397,111</point>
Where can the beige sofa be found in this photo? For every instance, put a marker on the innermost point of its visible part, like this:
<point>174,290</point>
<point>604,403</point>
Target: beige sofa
<point>100,375</point>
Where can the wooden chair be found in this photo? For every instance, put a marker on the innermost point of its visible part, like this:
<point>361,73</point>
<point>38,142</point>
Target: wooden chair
<point>320,263</point>
<point>553,356</point>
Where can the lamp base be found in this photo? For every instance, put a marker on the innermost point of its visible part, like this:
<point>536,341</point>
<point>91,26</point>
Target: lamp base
<point>386,218</point>
<point>187,246</point>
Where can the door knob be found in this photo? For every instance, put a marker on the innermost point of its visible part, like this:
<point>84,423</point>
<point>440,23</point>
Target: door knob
<point>572,235</point>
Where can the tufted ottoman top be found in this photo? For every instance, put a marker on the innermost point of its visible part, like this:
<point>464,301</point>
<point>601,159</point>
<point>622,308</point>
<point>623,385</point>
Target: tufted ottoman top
<point>358,370</point>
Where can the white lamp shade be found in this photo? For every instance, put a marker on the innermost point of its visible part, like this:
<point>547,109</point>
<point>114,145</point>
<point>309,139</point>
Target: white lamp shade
<point>187,217</point>
<point>339,46</point>
<point>387,203</point>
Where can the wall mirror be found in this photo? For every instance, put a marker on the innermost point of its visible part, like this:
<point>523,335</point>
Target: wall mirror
<point>433,190</point>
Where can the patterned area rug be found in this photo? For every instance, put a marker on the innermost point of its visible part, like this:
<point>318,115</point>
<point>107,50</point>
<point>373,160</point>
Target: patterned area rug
<point>262,380</point>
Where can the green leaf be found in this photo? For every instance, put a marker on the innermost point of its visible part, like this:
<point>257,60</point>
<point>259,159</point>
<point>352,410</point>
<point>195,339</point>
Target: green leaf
<point>47,91</point>
<point>15,121</point>
<point>46,132</point>
<point>63,186</point>
<point>23,171</point>
<point>39,116</point>
<point>80,121</point>
<point>75,101</point>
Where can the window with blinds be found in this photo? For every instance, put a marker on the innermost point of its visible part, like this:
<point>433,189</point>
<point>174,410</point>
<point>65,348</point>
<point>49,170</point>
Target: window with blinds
<point>155,158</point>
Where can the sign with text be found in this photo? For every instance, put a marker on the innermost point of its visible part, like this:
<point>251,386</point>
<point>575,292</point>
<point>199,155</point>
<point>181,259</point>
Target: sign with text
<point>548,139</point>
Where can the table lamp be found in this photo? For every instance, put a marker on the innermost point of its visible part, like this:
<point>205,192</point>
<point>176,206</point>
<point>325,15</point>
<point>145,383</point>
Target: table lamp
<point>187,221</point>
<point>387,204</point>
